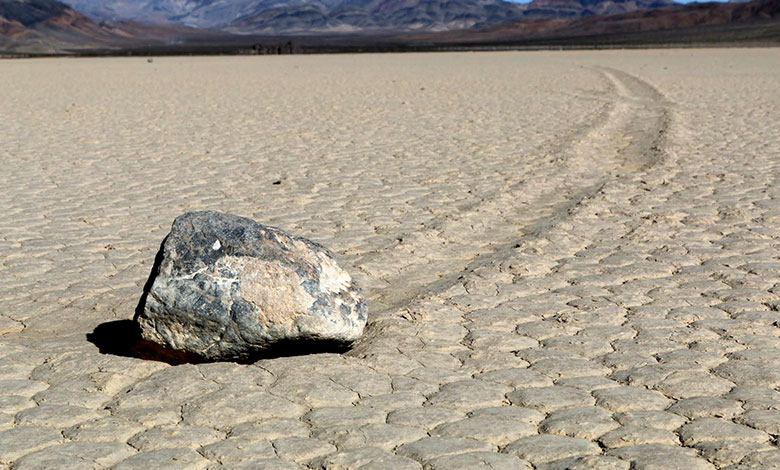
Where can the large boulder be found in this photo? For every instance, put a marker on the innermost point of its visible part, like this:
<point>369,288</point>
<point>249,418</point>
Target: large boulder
<point>227,288</point>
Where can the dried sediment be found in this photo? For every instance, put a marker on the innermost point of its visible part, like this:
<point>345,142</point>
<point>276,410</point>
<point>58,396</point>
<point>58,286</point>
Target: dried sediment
<point>571,258</point>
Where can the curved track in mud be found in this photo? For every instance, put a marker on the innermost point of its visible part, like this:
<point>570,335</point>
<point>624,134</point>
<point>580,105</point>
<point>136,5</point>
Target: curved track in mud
<point>627,139</point>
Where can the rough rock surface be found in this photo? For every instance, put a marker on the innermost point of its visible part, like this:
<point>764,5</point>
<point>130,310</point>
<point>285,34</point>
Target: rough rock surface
<point>228,288</point>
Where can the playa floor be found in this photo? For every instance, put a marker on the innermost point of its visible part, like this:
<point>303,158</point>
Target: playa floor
<point>572,259</point>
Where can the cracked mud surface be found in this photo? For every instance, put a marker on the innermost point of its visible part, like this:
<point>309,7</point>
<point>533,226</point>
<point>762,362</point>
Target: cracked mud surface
<point>572,260</point>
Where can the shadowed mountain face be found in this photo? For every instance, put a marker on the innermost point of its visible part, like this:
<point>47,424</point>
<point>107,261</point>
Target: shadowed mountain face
<point>579,8</point>
<point>51,27</point>
<point>381,15</point>
<point>318,16</point>
<point>754,22</point>
<point>34,23</point>
<point>30,12</point>
<point>668,18</point>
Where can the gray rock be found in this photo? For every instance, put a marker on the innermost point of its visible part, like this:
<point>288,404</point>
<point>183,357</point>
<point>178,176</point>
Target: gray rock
<point>227,288</point>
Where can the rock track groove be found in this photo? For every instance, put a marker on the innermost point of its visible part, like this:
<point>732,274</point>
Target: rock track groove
<point>625,138</point>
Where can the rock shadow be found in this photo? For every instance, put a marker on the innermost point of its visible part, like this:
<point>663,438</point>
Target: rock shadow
<point>123,338</point>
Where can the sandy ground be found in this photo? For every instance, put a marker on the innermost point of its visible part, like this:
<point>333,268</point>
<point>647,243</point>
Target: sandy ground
<point>572,259</point>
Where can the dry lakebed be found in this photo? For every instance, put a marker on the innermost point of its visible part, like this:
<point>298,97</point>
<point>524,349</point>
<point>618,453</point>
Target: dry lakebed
<point>571,260</point>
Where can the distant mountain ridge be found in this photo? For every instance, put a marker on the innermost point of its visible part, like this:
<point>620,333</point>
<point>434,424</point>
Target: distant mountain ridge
<point>51,27</point>
<point>379,15</point>
<point>343,16</point>
<point>668,18</point>
<point>581,8</point>
<point>30,12</point>
<point>37,22</point>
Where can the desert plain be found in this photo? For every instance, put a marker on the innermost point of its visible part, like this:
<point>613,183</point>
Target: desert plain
<point>571,259</point>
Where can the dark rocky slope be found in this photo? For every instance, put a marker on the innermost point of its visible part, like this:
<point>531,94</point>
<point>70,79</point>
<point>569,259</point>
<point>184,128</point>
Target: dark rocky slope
<point>341,16</point>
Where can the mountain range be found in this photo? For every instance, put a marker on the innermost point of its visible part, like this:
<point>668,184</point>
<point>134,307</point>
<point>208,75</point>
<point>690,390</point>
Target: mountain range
<point>41,21</point>
<point>340,16</point>
<point>734,23</point>
<point>51,27</point>
<point>222,26</point>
